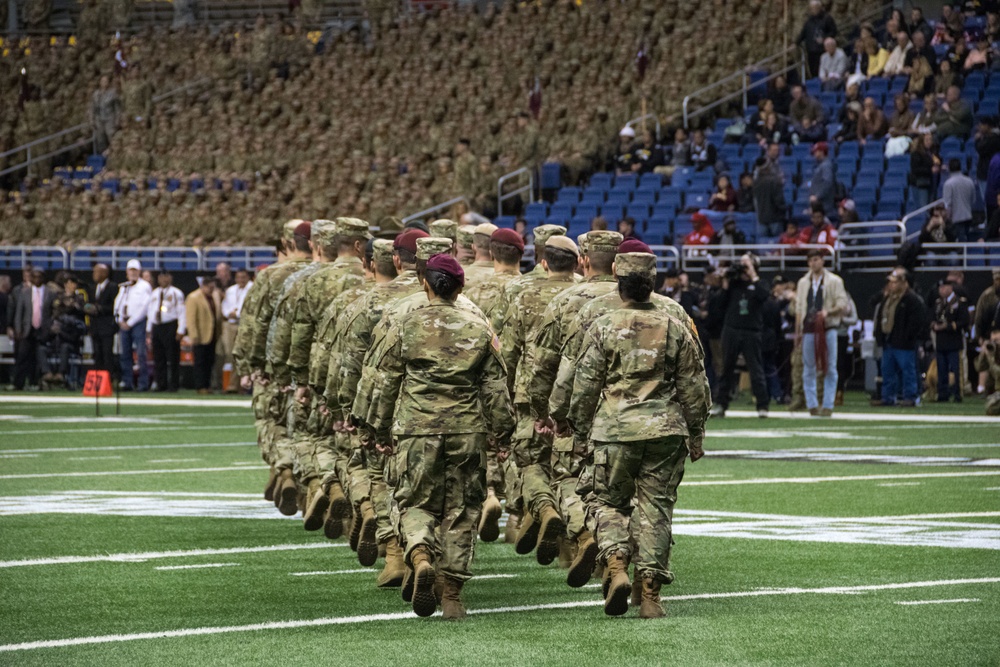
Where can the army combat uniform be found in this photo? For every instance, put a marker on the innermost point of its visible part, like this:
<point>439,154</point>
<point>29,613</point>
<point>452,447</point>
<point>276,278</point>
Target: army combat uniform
<point>639,393</point>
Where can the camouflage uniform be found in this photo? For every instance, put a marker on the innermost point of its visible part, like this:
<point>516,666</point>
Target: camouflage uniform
<point>465,238</point>
<point>640,392</point>
<point>443,366</point>
<point>989,362</point>
<point>444,229</point>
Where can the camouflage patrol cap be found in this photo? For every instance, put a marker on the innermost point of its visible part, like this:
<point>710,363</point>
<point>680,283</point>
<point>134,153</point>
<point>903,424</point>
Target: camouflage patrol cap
<point>382,250</point>
<point>353,228</point>
<point>466,234</point>
<point>603,241</point>
<point>543,233</point>
<point>433,245</point>
<point>486,228</point>
<point>584,244</point>
<point>324,232</point>
<point>443,228</point>
<point>563,243</point>
<point>389,226</point>
<point>288,230</point>
<point>635,264</point>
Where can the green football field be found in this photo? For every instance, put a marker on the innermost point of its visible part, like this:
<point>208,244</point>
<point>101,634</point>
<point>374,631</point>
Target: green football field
<point>869,539</point>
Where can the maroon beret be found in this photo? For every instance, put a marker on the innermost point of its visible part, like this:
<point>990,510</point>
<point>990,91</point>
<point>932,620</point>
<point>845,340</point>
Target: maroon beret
<point>633,245</point>
<point>509,237</point>
<point>304,230</point>
<point>447,264</point>
<point>408,240</point>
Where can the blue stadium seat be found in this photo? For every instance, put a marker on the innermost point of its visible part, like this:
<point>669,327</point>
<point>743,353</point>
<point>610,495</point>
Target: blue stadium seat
<point>696,199</point>
<point>894,183</point>
<point>681,228</point>
<point>645,197</point>
<point>849,149</point>
<point>889,210</point>
<point>665,209</point>
<point>651,182</point>
<point>638,211</point>
<point>659,229</point>
<point>612,212</point>
<point>585,210</point>
<point>670,197</point>
<point>952,144</point>
<point>562,221</point>
<point>626,181</point>
<point>507,221</point>
<point>898,164</point>
<point>578,225</point>
<point>592,196</point>
<point>561,210</point>
<point>535,212</point>
<point>682,175</point>
<point>601,180</point>
<point>620,197</point>
<point>568,194</point>
<point>551,176</point>
<point>702,180</point>
<point>874,85</point>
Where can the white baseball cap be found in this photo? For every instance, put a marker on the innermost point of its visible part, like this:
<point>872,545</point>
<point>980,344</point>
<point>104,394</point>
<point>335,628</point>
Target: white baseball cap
<point>627,131</point>
<point>134,264</point>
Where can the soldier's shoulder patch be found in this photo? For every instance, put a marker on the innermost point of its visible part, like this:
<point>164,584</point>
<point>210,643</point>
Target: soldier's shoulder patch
<point>495,342</point>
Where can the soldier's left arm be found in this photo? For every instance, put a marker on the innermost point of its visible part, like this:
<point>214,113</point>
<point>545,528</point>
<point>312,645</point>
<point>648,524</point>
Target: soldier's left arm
<point>512,343</point>
<point>693,392</point>
<point>588,384</point>
<point>545,364</point>
<point>494,396</point>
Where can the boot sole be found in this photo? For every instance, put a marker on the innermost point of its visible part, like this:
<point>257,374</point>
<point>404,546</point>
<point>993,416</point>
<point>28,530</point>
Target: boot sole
<point>489,524</point>
<point>288,499</point>
<point>527,538</point>
<point>548,541</point>
<point>407,586</point>
<point>424,601</point>
<point>269,488</point>
<point>616,603</point>
<point>355,534</point>
<point>338,511</point>
<point>581,569</point>
<point>367,547</point>
<point>313,519</point>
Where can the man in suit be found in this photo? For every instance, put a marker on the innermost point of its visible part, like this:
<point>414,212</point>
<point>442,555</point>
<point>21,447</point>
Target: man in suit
<point>101,309</point>
<point>31,324</point>
<point>204,323</point>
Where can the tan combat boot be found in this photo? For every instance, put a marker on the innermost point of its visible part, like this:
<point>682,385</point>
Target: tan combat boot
<point>527,538</point>
<point>489,520</point>
<point>424,602</point>
<point>354,534</point>
<point>338,512</point>
<point>286,497</point>
<point>619,586</point>
<point>406,590</point>
<point>551,529</point>
<point>583,565</point>
<point>316,506</point>
<point>391,575</point>
<point>272,481</point>
<point>567,552</point>
<point>367,546</point>
<point>513,527</point>
<point>651,606</point>
<point>452,608</point>
<point>636,599</point>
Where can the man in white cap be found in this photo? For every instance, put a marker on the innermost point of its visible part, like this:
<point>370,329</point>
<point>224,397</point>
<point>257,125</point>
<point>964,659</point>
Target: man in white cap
<point>131,307</point>
<point>626,150</point>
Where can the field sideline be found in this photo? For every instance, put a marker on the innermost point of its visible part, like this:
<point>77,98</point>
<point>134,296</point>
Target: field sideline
<point>870,538</point>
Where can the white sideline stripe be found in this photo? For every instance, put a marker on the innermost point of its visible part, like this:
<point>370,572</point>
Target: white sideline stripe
<point>880,448</point>
<point>916,602</point>
<point>105,473</point>
<point>845,478</point>
<point>48,431</point>
<point>93,458</point>
<point>116,448</point>
<point>166,494</point>
<point>894,484</point>
<point>153,555</point>
<point>172,460</point>
<point>18,456</point>
<point>135,400</point>
<point>318,573</point>
<point>400,616</point>
<point>194,567</point>
<point>871,416</point>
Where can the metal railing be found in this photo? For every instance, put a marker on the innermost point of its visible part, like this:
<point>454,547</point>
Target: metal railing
<point>772,255</point>
<point>434,209</point>
<point>31,148</point>
<point>45,257</point>
<point>154,258</point>
<point>640,119</point>
<point>869,246</point>
<point>739,84</point>
<point>529,187</point>
<point>959,256</point>
<point>912,215</point>
<point>667,256</point>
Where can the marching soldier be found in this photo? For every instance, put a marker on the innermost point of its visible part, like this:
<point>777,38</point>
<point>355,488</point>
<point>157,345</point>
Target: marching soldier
<point>482,266</point>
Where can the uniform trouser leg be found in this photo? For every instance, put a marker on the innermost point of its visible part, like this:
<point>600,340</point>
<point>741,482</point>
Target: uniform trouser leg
<point>749,345</point>
<point>380,496</point>
<point>333,452</point>
<point>533,452</point>
<point>512,487</point>
<point>442,485</point>
<point>359,484</point>
<point>284,449</point>
<point>567,470</point>
<point>648,471</point>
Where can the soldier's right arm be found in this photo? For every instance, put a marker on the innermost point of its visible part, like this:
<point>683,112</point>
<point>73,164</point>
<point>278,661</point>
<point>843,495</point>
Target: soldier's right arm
<point>356,341</point>
<point>545,364</point>
<point>562,390</point>
<point>391,368</point>
<point>258,341</point>
<point>494,396</point>
<point>693,392</point>
<point>512,342</point>
<point>588,385</point>
<point>244,332</point>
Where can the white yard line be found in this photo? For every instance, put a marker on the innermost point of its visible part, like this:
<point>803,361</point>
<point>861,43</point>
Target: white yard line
<point>107,473</point>
<point>401,616</point>
<point>142,556</point>
<point>880,448</point>
<point>92,458</point>
<point>116,448</point>
<point>319,573</point>
<point>917,602</point>
<point>844,478</point>
<point>167,494</point>
<point>194,567</point>
<point>18,456</point>
<point>172,460</point>
<point>134,400</point>
<point>911,417</point>
<point>47,431</point>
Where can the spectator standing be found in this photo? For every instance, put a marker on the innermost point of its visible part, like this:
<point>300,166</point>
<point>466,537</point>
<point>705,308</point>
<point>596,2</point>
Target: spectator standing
<point>937,229</point>
<point>900,323</point>
<point>6,313</point>
<point>925,165</point>
<point>780,95</point>
<point>954,117</point>
<point>223,276</point>
<point>821,302</point>
<point>69,326</point>
<point>951,320</point>
<point>992,232</point>
<point>31,324</point>
<point>817,28</point>
<point>919,25</point>
<point>101,310</point>
<point>832,65</point>
<point>823,184</point>
<point>744,196</point>
<point>626,227</point>
<point>743,299</point>
<point>986,308</point>
<point>232,306</point>
<point>203,325</point>
<point>772,333</point>
<point>105,113</point>
<point>959,194</point>
<point>131,309</point>
<point>166,325</point>
<point>987,145</point>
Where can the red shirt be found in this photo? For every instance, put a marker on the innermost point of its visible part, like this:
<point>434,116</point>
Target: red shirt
<point>826,234</point>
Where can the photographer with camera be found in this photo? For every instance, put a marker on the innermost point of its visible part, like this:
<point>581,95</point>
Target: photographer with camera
<point>743,297</point>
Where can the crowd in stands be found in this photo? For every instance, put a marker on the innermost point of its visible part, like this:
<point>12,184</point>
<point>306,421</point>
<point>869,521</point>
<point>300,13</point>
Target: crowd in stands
<point>368,124</point>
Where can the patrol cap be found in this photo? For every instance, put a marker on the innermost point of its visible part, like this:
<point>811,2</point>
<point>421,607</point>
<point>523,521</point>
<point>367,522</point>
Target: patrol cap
<point>486,229</point>
<point>382,250</point>
<point>543,233</point>
<point>447,264</point>
<point>389,226</point>
<point>287,231</point>
<point>354,228</point>
<point>508,237</point>
<point>465,235</point>
<point>563,243</point>
<point>408,240</point>
<point>634,245</point>
<point>433,245</point>
<point>443,228</point>
<point>581,241</point>
<point>635,264</point>
<point>324,232</point>
<point>603,241</point>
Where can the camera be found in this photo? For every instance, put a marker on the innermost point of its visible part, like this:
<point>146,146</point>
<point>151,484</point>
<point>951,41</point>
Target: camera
<point>990,347</point>
<point>735,271</point>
